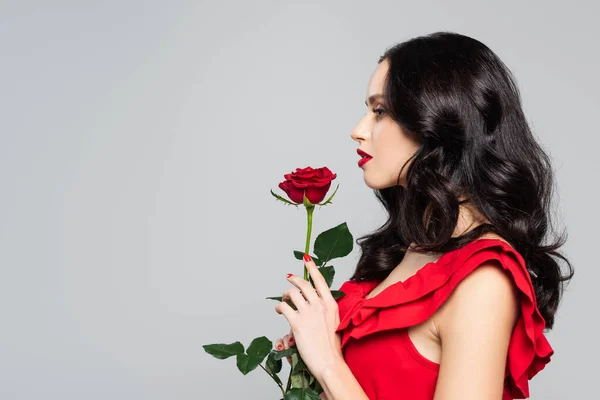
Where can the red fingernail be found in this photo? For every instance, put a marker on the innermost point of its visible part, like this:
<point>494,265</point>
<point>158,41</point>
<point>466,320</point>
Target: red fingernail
<point>288,275</point>
<point>307,258</point>
<point>279,347</point>
<point>291,340</point>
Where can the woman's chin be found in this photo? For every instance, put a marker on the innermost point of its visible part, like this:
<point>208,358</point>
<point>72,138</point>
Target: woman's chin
<point>375,185</point>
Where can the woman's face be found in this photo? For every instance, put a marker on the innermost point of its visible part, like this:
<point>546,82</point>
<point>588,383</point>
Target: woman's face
<point>382,138</point>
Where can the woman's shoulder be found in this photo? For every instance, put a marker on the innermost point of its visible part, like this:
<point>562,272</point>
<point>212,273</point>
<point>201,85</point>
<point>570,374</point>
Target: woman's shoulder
<point>449,269</point>
<point>490,296</point>
<point>488,285</point>
<point>488,267</point>
<point>444,274</point>
<point>486,277</point>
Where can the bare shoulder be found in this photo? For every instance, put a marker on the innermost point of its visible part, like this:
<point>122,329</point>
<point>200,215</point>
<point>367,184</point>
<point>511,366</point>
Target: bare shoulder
<point>486,297</point>
<point>474,325</point>
<point>486,290</point>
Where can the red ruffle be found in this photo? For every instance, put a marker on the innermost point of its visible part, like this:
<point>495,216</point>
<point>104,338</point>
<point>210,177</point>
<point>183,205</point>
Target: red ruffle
<point>414,300</point>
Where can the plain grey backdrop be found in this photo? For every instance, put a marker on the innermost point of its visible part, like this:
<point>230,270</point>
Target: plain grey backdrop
<point>139,142</point>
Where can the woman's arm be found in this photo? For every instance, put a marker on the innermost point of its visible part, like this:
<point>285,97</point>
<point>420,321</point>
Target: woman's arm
<point>313,326</point>
<point>475,325</point>
<point>339,383</point>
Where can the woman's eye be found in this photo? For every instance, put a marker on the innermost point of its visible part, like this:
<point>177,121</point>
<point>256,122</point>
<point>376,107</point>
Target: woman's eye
<point>379,111</point>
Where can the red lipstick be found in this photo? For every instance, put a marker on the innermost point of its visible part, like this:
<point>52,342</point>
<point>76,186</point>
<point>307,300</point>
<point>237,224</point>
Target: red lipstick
<point>365,157</point>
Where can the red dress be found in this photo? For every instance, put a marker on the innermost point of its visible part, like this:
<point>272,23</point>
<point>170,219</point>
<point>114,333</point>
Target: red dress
<point>382,357</point>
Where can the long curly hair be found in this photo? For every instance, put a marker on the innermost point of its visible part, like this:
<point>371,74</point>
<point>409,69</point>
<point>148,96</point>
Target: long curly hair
<point>462,104</point>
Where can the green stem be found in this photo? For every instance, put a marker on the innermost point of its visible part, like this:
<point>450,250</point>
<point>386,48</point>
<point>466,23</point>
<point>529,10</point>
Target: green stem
<point>278,384</point>
<point>309,214</point>
<point>309,211</point>
<point>289,381</point>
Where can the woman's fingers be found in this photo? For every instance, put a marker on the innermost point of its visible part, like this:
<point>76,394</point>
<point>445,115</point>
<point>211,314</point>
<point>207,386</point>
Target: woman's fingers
<point>296,297</point>
<point>320,283</point>
<point>279,345</point>
<point>304,288</point>
<point>320,291</point>
<point>288,341</point>
<point>285,341</point>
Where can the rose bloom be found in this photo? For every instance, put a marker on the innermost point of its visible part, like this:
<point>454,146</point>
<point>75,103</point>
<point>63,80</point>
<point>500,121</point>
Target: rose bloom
<point>315,183</point>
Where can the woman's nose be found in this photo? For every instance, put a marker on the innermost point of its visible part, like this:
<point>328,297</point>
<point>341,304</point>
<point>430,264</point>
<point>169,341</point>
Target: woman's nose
<point>361,131</point>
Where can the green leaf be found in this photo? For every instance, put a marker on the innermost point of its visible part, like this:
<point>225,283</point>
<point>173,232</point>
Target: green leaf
<point>334,243</point>
<point>223,351</point>
<point>327,272</point>
<point>297,380</point>
<point>246,363</point>
<point>255,354</point>
<point>289,302</point>
<point>337,294</point>
<point>276,378</point>
<point>306,202</point>
<point>300,256</point>
<point>330,197</point>
<point>300,366</point>
<point>302,394</point>
<point>287,352</point>
<point>259,348</point>
<point>273,365</point>
<point>283,200</point>
<point>317,387</point>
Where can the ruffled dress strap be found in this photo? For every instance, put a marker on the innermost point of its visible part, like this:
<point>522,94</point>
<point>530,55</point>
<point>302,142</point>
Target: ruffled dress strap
<point>413,301</point>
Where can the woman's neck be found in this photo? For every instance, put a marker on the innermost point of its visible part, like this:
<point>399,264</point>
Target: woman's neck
<point>468,219</point>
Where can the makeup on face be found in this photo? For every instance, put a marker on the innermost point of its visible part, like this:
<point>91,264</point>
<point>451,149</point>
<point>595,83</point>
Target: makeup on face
<point>365,157</point>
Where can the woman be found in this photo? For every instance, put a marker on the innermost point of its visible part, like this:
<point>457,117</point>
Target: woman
<point>451,295</point>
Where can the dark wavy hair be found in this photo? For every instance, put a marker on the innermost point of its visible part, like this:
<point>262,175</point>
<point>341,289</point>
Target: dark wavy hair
<point>462,105</point>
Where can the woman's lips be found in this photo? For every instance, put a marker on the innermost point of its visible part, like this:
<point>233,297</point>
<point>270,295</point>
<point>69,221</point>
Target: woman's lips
<point>365,157</point>
<point>362,153</point>
<point>363,161</point>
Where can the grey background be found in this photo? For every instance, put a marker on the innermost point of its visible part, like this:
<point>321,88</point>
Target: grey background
<point>139,142</point>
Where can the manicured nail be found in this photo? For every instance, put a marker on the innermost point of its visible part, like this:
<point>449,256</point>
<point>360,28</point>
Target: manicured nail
<point>279,347</point>
<point>288,275</point>
<point>291,340</point>
<point>307,258</point>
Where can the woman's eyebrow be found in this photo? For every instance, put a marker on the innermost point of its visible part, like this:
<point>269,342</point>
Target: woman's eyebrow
<point>373,97</point>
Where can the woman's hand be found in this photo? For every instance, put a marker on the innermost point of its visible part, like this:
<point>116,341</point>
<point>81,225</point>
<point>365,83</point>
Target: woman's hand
<point>285,343</point>
<point>314,323</point>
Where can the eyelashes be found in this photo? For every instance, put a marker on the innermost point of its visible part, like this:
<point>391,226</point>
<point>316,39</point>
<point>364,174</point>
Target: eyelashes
<point>379,111</point>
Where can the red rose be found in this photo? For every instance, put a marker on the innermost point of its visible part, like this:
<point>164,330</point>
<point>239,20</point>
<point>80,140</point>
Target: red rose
<point>313,182</point>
